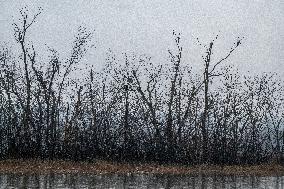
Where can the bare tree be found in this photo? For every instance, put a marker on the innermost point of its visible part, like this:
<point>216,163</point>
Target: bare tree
<point>208,74</point>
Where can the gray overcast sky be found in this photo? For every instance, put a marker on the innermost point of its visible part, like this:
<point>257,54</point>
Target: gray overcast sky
<point>145,26</point>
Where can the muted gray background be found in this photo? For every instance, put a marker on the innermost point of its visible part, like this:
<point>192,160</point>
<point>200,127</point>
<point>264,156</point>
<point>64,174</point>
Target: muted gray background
<point>145,26</point>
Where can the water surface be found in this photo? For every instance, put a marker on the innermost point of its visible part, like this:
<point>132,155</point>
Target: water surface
<point>138,181</point>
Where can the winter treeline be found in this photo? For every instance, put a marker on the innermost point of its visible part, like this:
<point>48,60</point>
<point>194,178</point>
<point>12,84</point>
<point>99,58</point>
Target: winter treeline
<point>134,109</point>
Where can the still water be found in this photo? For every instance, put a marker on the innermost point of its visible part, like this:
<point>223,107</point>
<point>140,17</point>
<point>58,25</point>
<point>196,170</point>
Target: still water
<point>137,181</point>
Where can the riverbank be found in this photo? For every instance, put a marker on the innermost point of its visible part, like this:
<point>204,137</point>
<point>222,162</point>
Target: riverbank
<point>106,167</point>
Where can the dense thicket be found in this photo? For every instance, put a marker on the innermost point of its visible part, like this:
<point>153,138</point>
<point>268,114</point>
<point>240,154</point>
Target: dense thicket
<point>134,109</point>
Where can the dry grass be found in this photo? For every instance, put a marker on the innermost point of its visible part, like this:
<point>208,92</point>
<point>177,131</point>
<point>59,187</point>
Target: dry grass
<point>106,167</point>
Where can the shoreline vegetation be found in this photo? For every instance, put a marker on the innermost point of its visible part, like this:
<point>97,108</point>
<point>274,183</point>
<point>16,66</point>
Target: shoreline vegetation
<point>109,167</point>
<point>135,109</point>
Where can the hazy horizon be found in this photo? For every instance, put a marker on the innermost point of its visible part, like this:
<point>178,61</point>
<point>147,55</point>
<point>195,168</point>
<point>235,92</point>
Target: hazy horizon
<point>145,27</point>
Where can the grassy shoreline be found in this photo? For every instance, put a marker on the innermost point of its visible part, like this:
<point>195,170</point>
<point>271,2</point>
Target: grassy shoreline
<point>107,167</point>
